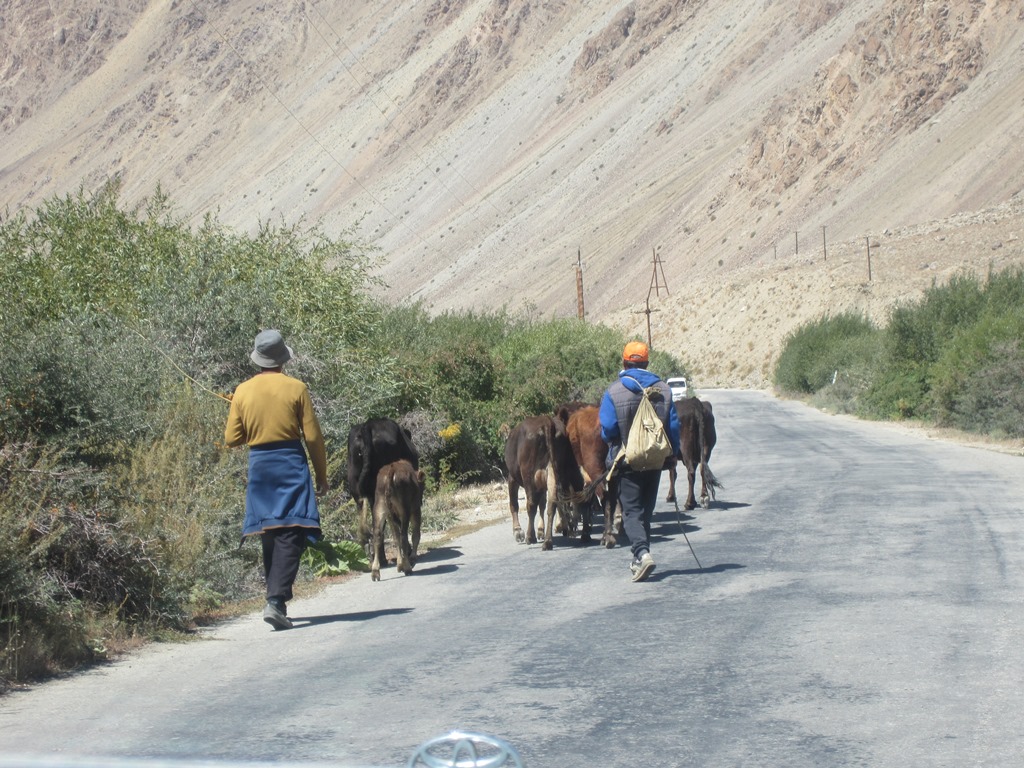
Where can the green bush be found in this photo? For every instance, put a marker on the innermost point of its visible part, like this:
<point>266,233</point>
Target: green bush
<point>975,383</point>
<point>74,565</point>
<point>84,380</point>
<point>917,332</point>
<point>816,353</point>
<point>896,394</point>
<point>953,358</point>
<point>992,401</point>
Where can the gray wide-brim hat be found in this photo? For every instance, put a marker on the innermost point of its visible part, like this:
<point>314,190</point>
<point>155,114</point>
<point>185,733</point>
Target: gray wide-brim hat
<point>269,350</point>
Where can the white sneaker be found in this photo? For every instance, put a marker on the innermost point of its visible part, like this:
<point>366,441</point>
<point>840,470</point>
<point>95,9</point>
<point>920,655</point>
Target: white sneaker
<point>642,567</point>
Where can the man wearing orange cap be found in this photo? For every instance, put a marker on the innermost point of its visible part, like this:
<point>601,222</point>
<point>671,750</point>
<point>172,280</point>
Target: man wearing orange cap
<point>638,490</point>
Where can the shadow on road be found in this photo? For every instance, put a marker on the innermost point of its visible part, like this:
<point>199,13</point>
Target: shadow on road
<point>440,553</point>
<point>433,571</point>
<point>720,568</point>
<point>727,505</point>
<point>308,621</point>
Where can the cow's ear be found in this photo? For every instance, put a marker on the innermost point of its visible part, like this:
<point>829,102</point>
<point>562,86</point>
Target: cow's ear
<point>421,477</point>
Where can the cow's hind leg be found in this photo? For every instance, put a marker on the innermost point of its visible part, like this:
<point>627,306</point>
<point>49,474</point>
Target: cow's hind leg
<point>610,501</point>
<point>554,507</point>
<point>549,510</point>
<point>534,503</point>
<point>513,508</point>
<point>400,527</point>
<point>587,517</point>
<point>377,541</point>
<point>415,517</point>
<point>365,531</point>
<point>708,484</point>
<point>691,476</point>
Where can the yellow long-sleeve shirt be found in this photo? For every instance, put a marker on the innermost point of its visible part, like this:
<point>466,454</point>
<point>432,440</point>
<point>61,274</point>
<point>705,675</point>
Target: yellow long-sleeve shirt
<point>271,407</point>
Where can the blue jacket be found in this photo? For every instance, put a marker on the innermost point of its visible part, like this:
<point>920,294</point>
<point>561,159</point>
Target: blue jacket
<point>622,398</point>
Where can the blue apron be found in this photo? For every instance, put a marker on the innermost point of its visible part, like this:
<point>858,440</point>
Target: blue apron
<point>280,491</point>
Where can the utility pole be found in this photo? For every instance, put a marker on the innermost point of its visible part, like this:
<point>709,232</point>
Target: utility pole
<point>580,312</point>
<point>656,283</point>
<point>824,245</point>
<point>647,311</point>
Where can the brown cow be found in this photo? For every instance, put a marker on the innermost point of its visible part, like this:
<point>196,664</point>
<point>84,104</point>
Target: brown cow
<point>591,452</point>
<point>540,461</point>
<point>371,445</point>
<point>398,501</point>
<point>697,438</point>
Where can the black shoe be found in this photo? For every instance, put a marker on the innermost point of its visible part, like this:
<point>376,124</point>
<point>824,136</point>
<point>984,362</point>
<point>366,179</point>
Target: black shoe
<point>274,614</point>
<point>642,567</point>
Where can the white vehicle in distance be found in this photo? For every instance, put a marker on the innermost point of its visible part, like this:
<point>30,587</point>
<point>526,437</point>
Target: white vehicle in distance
<point>678,386</point>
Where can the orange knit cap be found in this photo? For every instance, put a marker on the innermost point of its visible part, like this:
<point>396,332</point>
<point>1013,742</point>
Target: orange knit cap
<point>635,352</point>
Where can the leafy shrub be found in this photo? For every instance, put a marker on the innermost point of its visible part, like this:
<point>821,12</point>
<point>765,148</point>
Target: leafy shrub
<point>334,558</point>
<point>896,394</point>
<point>954,357</point>
<point>816,352</point>
<point>74,561</point>
<point>916,333</point>
<point>84,380</point>
<point>992,401</point>
<point>975,383</point>
<point>559,361</point>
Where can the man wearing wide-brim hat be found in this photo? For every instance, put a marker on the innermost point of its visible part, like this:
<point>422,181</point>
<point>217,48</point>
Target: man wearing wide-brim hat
<point>273,414</point>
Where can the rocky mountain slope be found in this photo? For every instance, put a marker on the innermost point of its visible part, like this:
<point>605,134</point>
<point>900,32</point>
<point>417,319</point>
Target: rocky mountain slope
<point>723,170</point>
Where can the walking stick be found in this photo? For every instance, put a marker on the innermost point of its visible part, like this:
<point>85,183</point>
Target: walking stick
<point>683,531</point>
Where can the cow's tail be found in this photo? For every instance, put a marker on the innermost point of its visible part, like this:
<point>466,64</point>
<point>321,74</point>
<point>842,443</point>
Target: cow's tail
<point>592,487</point>
<point>707,476</point>
<point>588,491</point>
<point>700,440</point>
<point>549,439</point>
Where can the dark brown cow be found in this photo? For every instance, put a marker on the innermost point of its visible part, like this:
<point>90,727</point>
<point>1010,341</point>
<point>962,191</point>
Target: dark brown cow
<point>371,445</point>
<point>540,461</point>
<point>398,502</point>
<point>697,438</point>
<point>591,451</point>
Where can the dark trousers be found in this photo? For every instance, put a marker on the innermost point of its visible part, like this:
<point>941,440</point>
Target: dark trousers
<point>638,494</point>
<point>282,548</point>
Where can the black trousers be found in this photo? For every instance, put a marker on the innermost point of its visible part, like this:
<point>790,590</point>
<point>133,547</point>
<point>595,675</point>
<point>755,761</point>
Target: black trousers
<point>638,495</point>
<point>282,548</point>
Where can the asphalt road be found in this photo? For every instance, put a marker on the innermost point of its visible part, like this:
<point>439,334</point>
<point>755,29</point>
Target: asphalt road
<point>860,604</point>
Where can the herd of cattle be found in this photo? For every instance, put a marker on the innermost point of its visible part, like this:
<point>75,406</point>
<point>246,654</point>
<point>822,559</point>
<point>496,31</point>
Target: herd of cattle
<point>558,460</point>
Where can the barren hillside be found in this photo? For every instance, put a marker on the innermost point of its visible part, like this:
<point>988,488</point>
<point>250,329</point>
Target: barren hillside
<point>757,149</point>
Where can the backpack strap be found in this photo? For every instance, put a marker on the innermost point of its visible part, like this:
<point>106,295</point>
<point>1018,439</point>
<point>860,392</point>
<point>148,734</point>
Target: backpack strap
<point>645,392</point>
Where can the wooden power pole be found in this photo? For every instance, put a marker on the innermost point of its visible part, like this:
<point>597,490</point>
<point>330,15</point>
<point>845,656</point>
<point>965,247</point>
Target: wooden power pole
<point>580,312</point>
<point>658,276</point>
